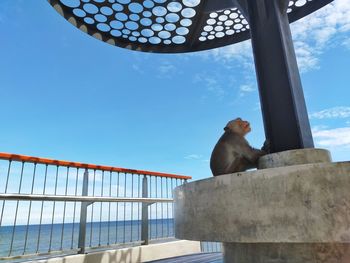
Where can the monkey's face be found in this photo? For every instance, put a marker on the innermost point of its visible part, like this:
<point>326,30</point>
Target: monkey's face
<point>238,126</point>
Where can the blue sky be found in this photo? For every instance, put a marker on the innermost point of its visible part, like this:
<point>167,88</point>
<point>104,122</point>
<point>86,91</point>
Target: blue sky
<point>66,95</point>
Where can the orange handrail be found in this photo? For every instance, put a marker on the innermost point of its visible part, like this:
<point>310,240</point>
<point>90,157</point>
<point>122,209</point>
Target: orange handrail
<point>38,160</point>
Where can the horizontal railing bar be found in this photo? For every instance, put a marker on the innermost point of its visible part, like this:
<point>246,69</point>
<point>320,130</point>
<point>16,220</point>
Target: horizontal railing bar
<point>73,198</point>
<point>116,245</point>
<point>38,160</point>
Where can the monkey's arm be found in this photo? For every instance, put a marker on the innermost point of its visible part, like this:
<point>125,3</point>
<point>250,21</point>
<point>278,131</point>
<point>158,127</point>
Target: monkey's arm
<point>251,154</point>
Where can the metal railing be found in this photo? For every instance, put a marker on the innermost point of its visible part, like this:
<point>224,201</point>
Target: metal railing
<point>211,247</point>
<point>58,207</point>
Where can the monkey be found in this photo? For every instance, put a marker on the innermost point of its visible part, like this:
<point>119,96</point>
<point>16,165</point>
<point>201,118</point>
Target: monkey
<point>232,153</point>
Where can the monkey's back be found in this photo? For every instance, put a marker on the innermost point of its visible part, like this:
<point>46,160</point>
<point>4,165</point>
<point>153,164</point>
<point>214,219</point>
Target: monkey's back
<point>227,154</point>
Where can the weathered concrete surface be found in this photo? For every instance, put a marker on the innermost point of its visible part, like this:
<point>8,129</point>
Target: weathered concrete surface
<point>287,253</point>
<point>295,204</point>
<point>294,157</point>
<point>132,254</point>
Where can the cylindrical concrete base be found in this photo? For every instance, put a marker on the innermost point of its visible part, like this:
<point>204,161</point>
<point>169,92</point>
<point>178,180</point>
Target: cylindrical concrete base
<point>294,209</point>
<point>294,157</point>
<point>286,252</point>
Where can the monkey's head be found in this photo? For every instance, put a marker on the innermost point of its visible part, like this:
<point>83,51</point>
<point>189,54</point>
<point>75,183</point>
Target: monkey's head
<point>238,126</point>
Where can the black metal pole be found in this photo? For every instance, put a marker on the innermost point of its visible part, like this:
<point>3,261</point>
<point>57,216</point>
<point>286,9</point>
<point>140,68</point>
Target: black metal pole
<point>282,100</point>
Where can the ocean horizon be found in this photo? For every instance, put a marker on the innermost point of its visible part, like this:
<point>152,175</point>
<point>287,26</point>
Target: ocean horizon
<point>64,237</point>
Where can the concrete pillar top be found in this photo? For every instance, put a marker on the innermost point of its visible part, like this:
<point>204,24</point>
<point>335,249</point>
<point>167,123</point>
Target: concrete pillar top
<point>294,157</point>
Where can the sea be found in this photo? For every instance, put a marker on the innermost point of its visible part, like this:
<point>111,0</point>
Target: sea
<point>32,239</point>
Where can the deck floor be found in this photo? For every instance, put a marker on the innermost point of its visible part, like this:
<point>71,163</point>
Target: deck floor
<point>194,258</point>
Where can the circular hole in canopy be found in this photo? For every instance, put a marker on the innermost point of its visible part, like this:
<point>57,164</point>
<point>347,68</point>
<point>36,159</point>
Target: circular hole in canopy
<point>117,7</point>
<point>188,12</point>
<point>233,15</point>
<point>202,38</point>
<point>116,33</point>
<point>223,17</point>
<point>191,3</point>
<point>147,14</point>
<point>106,10</point>
<point>178,39</point>
<point>146,21</point>
<point>159,11</point>
<point>219,34</point>
<point>237,26</point>
<point>89,20</point>
<point>79,12</point>
<point>135,7</point>
<point>148,4</point>
<point>182,30</point>
<point>300,3</point>
<point>219,28</point>
<point>230,32</point>
<point>154,40</point>
<point>208,28</point>
<point>116,24</point>
<point>71,3</point>
<point>157,27</point>
<point>172,18</point>
<point>134,17</point>
<point>147,32</point>
<point>211,37</point>
<point>131,25</point>
<point>90,8</point>
<point>170,27</point>
<point>186,22</point>
<point>142,39</point>
<point>160,20</point>
<point>164,34</point>
<point>103,27</point>
<point>211,21</point>
<point>174,7</point>
<point>228,23</point>
<point>124,1</point>
<point>100,18</point>
<point>167,42</point>
<point>126,31</point>
<point>121,16</point>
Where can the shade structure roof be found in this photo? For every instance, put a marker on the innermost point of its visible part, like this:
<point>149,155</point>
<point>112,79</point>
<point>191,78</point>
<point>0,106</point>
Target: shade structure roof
<point>167,26</point>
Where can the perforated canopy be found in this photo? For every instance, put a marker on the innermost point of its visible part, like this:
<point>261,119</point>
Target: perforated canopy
<point>173,26</point>
<point>167,26</point>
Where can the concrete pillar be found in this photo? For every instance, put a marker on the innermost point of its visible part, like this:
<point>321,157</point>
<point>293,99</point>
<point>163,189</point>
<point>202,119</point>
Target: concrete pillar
<point>295,210</point>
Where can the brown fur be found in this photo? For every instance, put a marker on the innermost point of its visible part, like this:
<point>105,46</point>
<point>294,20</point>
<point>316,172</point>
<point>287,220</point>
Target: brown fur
<point>232,153</point>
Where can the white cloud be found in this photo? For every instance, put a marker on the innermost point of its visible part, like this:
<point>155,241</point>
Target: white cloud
<point>338,137</point>
<point>137,68</point>
<point>346,43</point>
<point>166,68</point>
<point>193,157</point>
<point>332,113</point>
<point>240,53</point>
<point>211,83</point>
<point>312,35</point>
<point>246,88</point>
